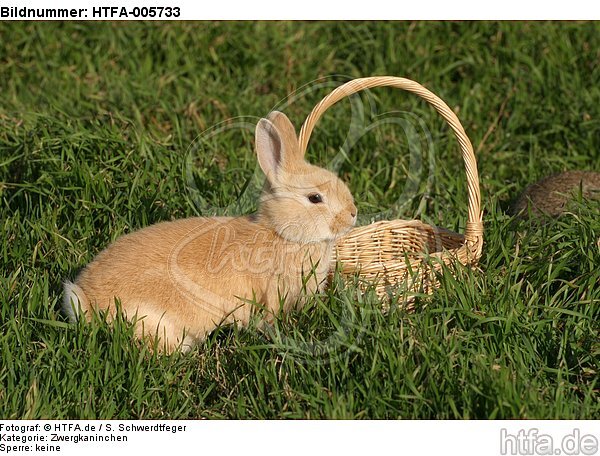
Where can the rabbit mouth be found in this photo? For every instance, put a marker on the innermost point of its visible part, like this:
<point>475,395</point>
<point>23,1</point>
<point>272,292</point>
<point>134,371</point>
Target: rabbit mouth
<point>342,226</point>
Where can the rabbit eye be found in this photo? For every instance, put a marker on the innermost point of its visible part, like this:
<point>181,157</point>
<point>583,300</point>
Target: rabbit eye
<point>315,198</point>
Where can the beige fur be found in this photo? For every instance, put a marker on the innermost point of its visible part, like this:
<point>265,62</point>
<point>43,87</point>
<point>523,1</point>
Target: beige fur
<point>181,279</point>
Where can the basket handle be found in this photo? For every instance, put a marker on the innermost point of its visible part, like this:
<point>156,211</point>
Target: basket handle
<point>474,228</point>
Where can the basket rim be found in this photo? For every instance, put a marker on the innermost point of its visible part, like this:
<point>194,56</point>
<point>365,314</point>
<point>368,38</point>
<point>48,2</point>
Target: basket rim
<point>474,227</point>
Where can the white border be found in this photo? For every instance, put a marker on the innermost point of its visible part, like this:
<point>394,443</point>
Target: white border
<point>461,438</point>
<point>344,9</point>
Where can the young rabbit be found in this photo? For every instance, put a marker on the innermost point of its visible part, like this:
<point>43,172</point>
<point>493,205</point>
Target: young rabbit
<point>549,196</point>
<point>179,280</point>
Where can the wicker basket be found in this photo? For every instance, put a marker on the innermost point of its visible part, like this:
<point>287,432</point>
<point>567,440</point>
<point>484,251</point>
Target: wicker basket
<point>403,257</point>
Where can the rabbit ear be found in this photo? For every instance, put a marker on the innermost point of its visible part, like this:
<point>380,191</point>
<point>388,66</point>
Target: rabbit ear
<point>287,132</point>
<point>276,144</point>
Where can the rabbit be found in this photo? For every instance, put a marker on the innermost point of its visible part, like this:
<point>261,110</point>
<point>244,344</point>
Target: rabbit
<point>549,196</point>
<point>179,280</point>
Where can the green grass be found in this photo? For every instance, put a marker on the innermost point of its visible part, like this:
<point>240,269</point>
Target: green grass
<point>95,125</point>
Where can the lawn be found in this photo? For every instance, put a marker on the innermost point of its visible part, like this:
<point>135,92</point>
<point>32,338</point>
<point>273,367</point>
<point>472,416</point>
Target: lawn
<point>101,133</point>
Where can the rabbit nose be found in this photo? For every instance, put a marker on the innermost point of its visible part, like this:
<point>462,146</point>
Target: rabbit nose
<point>353,211</point>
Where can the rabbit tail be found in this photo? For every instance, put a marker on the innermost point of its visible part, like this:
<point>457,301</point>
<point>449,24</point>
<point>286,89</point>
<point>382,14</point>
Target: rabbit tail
<point>75,302</point>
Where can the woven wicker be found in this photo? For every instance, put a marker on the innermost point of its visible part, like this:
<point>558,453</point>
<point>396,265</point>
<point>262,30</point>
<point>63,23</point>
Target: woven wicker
<point>403,257</point>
